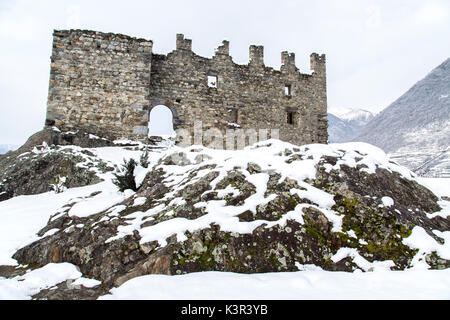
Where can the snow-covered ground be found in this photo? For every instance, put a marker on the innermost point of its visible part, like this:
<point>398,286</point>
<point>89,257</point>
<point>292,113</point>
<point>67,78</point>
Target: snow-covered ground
<point>440,186</point>
<point>312,283</point>
<point>22,217</point>
<point>301,285</point>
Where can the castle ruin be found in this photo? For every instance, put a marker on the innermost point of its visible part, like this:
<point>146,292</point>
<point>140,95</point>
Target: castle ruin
<point>108,83</point>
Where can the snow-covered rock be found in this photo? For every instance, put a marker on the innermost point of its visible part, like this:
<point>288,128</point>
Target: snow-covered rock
<point>271,207</point>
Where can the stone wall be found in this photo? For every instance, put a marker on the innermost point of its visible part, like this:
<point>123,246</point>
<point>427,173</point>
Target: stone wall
<point>109,83</point>
<point>99,81</point>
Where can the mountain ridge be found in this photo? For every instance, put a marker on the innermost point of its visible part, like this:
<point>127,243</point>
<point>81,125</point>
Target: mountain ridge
<point>344,124</point>
<point>4,148</point>
<point>415,129</point>
<point>425,106</point>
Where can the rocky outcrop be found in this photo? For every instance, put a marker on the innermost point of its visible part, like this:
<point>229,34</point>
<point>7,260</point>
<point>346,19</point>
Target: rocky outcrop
<point>34,168</point>
<point>53,136</point>
<point>43,173</point>
<point>198,210</point>
<point>51,157</point>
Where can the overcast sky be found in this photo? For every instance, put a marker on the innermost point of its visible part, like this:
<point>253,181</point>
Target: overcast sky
<point>376,50</point>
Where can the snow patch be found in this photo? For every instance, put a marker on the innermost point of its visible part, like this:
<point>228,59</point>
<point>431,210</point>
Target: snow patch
<point>421,240</point>
<point>85,282</point>
<point>387,201</point>
<point>104,200</point>
<point>360,261</point>
<point>23,287</point>
<point>139,201</point>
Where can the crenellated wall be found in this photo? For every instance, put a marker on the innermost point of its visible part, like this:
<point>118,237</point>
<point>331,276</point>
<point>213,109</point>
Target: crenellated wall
<point>109,83</point>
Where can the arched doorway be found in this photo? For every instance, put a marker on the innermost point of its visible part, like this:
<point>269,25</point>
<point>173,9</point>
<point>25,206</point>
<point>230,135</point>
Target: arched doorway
<point>160,122</point>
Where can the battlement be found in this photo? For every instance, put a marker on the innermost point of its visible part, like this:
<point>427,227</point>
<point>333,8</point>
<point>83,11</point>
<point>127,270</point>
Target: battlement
<point>108,83</point>
<point>318,58</point>
<point>256,56</point>
<point>183,44</point>
<point>288,62</point>
<point>287,58</point>
<point>224,49</point>
<point>318,63</point>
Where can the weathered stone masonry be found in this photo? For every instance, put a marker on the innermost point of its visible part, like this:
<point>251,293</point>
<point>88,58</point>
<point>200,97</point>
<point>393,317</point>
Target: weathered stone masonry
<point>108,83</point>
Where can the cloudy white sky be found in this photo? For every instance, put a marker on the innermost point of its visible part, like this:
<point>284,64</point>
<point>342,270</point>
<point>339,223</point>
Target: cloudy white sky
<point>376,50</point>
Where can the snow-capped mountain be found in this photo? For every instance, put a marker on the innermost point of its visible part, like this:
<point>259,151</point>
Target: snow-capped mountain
<point>354,116</point>
<point>345,124</point>
<point>4,148</point>
<point>415,129</point>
